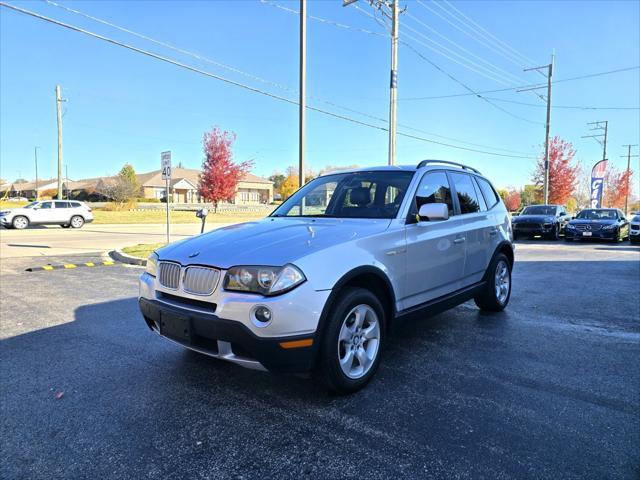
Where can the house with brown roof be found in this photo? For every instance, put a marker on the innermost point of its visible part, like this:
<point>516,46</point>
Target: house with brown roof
<point>183,188</point>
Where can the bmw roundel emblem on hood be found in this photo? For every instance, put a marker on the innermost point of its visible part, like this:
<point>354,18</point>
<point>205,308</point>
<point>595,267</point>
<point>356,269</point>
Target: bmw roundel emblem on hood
<point>194,254</point>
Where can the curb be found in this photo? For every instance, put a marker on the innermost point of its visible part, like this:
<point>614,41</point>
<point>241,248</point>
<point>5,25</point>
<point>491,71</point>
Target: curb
<point>68,266</point>
<point>122,257</point>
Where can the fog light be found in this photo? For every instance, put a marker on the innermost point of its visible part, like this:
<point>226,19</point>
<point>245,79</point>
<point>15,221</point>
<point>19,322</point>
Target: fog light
<point>262,315</point>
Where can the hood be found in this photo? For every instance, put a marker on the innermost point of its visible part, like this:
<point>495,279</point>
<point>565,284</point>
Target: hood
<point>586,221</point>
<point>271,241</point>
<point>534,219</point>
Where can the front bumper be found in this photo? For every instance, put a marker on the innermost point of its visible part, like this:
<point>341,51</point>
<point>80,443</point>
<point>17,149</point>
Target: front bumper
<point>222,324</point>
<point>599,235</point>
<point>5,220</point>
<point>532,228</point>
<point>227,339</point>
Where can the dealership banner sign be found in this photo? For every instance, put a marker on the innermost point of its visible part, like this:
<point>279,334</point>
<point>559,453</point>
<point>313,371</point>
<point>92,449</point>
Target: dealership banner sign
<point>597,183</point>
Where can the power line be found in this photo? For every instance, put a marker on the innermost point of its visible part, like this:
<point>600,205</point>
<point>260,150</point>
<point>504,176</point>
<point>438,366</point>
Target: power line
<point>499,43</point>
<point>290,10</point>
<point>477,94</point>
<point>172,47</point>
<point>539,85</point>
<point>576,107</point>
<point>238,84</point>
<point>477,68</point>
<point>444,37</point>
<point>473,35</point>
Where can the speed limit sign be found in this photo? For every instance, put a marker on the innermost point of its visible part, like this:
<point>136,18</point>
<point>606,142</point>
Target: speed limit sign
<point>165,165</point>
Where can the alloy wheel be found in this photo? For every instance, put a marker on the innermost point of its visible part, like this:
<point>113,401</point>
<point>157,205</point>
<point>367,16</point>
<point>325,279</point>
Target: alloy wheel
<point>359,341</point>
<point>502,282</point>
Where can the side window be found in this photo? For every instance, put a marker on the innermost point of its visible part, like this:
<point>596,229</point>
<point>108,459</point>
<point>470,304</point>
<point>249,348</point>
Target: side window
<point>74,204</point>
<point>46,205</point>
<point>481,202</point>
<point>434,188</point>
<point>62,204</point>
<point>466,193</point>
<point>488,192</point>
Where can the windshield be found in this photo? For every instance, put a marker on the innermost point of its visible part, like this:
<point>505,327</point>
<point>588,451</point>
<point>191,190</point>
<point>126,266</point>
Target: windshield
<point>598,215</point>
<point>636,219</point>
<point>539,210</point>
<point>31,205</point>
<point>349,195</point>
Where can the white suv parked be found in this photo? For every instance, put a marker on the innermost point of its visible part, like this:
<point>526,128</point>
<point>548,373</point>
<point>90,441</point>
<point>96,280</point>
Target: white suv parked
<point>66,213</point>
<point>317,285</point>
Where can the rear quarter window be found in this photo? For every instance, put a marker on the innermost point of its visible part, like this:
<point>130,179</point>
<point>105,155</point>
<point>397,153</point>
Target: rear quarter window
<point>490,195</point>
<point>75,204</point>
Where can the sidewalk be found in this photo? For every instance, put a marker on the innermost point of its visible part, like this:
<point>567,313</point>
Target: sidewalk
<point>53,240</point>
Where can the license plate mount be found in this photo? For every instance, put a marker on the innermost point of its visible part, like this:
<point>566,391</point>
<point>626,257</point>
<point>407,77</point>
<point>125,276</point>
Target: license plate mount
<point>175,327</point>
<point>586,234</point>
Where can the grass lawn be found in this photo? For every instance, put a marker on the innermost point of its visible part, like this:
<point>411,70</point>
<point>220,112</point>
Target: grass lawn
<point>142,250</point>
<point>4,205</point>
<point>159,216</point>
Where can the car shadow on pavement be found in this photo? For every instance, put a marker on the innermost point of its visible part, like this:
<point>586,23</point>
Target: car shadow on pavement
<point>535,391</point>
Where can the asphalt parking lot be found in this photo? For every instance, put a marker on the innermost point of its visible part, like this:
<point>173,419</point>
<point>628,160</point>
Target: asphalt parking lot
<point>550,388</point>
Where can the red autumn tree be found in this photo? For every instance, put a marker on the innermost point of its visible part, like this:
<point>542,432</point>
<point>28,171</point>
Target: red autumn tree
<point>512,201</point>
<point>562,173</point>
<point>616,185</point>
<point>220,174</point>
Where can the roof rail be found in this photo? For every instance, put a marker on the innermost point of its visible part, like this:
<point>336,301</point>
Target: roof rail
<point>424,163</point>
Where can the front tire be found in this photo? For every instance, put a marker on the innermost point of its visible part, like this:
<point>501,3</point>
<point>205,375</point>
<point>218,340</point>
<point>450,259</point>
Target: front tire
<point>497,290</point>
<point>555,233</point>
<point>20,222</point>
<point>76,221</point>
<point>352,341</point>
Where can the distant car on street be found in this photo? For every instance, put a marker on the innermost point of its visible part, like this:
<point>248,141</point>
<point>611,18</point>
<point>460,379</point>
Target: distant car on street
<point>546,220</point>
<point>598,223</point>
<point>66,213</point>
<point>634,229</point>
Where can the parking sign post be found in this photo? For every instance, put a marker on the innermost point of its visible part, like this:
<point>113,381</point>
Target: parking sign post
<point>165,163</point>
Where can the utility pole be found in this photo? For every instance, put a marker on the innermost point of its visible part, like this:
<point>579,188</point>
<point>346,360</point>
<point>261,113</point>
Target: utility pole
<point>393,86</point>
<point>303,87</point>
<point>549,76</point>
<point>602,126</point>
<point>59,112</point>
<point>629,156</point>
<point>393,14</point>
<point>35,153</point>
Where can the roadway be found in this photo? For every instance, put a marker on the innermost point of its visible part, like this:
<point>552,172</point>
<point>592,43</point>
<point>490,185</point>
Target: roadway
<point>53,240</point>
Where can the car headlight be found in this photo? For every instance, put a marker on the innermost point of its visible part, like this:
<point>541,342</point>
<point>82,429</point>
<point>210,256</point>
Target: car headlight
<point>263,280</point>
<point>610,227</point>
<point>152,264</point>
<point>570,227</point>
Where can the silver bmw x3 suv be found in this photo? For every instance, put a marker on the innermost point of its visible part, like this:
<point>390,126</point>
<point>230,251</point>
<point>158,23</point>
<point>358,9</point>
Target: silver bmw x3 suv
<point>317,286</point>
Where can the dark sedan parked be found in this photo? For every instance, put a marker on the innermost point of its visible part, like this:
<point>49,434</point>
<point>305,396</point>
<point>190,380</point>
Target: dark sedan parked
<point>546,220</point>
<point>599,223</point>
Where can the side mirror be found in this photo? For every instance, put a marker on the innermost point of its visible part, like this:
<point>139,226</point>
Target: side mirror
<point>433,211</point>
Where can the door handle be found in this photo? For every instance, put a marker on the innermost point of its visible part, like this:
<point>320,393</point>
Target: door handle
<point>494,231</point>
<point>459,240</point>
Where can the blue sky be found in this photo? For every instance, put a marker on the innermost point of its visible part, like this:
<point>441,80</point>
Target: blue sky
<point>124,107</point>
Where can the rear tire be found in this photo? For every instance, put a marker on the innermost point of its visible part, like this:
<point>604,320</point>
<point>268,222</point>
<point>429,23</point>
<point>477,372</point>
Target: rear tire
<point>76,221</point>
<point>20,222</point>
<point>352,341</point>
<point>497,290</point>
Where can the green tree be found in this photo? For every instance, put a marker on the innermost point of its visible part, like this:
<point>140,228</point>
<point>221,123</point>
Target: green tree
<point>530,194</point>
<point>277,178</point>
<point>125,186</point>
